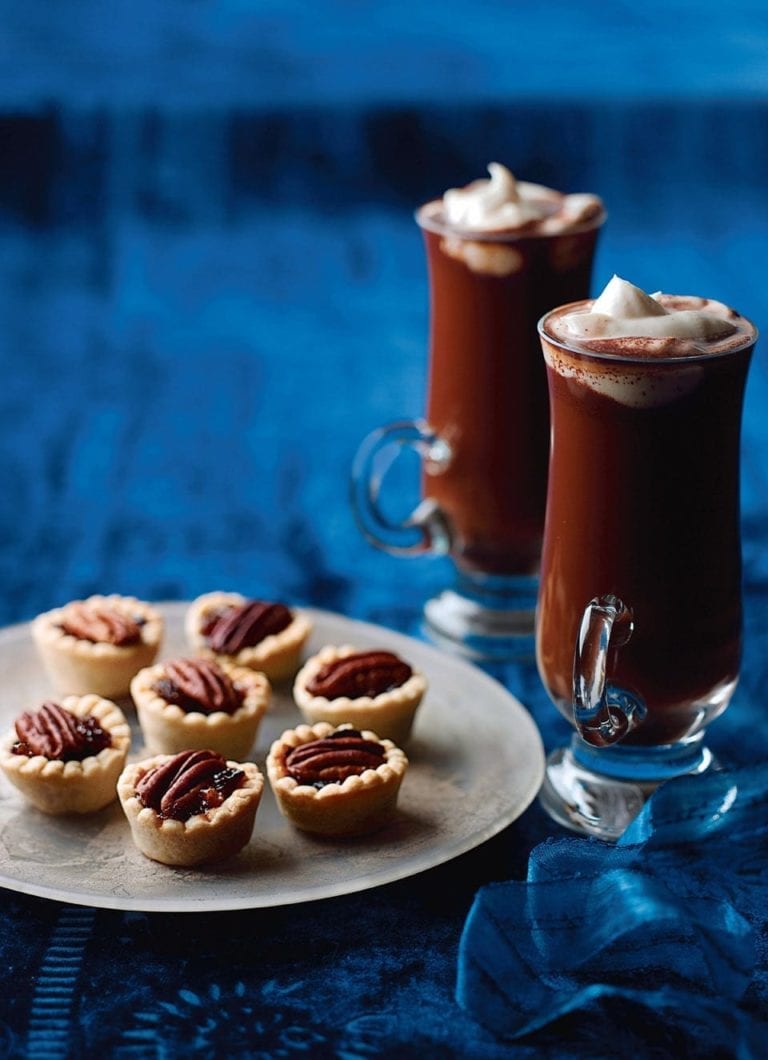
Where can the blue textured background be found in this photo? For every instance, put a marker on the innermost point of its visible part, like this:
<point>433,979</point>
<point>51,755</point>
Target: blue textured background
<point>211,288</point>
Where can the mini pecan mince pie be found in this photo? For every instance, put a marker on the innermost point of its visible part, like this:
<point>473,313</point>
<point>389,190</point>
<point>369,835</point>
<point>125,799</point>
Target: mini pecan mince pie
<point>192,807</point>
<point>264,636</point>
<point>370,689</point>
<point>98,644</point>
<point>335,781</point>
<point>66,757</point>
<point>188,704</point>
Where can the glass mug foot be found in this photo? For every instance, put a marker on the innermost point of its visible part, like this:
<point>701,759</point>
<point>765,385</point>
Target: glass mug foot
<point>600,792</point>
<point>485,617</point>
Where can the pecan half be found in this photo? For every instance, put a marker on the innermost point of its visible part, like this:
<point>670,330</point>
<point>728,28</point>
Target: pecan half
<point>366,673</point>
<point>188,784</point>
<point>59,734</point>
<point>102,625</point>
<point>198,685</point>
<point>344,753</point>
<point>246,626</point>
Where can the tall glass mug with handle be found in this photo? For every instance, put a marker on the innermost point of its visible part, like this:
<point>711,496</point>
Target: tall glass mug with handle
<point>499,253</point>
<point>639,618</point>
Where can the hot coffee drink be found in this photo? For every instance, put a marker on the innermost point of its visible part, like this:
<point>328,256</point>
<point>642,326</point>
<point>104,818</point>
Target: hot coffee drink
<point>499,253</point>
<point>642,541</point>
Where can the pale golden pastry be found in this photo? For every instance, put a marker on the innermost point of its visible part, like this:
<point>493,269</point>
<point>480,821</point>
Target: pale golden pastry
<point>98,644</point>
<point>185,704</point>
<point>190,808</point>
<point>258,634</point>
<point>335,781</point>
<point>66,757</point>
<point>371,689</point>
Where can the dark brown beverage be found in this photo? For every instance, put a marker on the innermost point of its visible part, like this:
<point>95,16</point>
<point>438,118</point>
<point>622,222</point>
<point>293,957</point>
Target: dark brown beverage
<point>487,386</point>
<point>500,252</point>
<point>643,503</point>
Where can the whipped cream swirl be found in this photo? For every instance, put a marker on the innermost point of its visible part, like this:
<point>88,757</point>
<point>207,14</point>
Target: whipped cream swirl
<point>626,311</point>
<point>502,203</point>
<point>650,349</point>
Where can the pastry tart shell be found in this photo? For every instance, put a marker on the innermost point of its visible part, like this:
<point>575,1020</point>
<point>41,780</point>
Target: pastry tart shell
<point>75,787</point>
<point>168,728</point>
<point>207,837</point>
<point>77,666</point>
<point>277,655</point>
<point>357,806</point>
<point>391,714</point>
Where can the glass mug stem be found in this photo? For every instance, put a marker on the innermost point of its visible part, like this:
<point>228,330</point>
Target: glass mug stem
<point>603,713</point>
<point>484,616</point>
<point>425,529</point>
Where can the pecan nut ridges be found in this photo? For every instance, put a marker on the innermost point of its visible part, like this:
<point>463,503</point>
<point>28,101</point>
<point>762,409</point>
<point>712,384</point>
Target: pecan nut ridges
<point>366,688</point>
<point>246,626</point>
<point>231,628</point>
<point>344,753</point>
<point>56,733</point>
<point>65,756</point>
<point>188,784</point>
<point>192,808</point>
<point>369,673</point>
<point>198,685</point>
<point>100,624</point>
<point>200,704</point>
<point>335,781</point>
<point>97,645</point>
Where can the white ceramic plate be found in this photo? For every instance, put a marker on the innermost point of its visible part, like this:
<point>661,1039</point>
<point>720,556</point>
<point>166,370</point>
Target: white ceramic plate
<point>476,762</point>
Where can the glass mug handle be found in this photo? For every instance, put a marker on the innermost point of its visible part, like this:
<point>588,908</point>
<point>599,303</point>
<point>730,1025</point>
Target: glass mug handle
<point>603,713</point>
<point>426,529</point>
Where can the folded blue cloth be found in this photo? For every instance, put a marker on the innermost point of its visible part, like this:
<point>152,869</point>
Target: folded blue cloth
<point>671,920</point>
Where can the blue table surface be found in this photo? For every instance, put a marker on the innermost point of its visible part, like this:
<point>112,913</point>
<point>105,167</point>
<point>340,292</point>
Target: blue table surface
<point>211,287</point>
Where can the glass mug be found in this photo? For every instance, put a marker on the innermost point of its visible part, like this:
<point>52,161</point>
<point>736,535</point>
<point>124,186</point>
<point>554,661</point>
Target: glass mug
<point>639,617</point>
<point>485,441</point>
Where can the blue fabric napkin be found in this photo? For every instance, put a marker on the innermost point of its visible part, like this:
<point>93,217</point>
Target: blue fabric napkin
<point>671,920</point>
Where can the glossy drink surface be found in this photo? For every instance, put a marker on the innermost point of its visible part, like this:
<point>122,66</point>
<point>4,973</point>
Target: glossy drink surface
<point>488,393</point>
<point>644,503</point>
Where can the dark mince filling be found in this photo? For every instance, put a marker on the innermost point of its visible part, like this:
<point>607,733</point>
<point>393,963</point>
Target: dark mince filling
<point>58,734</point>
<point>190,783</point>
<point>198,685</point>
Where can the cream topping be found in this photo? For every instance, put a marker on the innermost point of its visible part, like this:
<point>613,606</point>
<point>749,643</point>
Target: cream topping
<point>642,350</point>
<point>501,203</point>
<point>626,311</point>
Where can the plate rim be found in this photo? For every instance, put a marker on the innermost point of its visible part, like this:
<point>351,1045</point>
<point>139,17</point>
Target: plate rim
<point>344,886</point>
